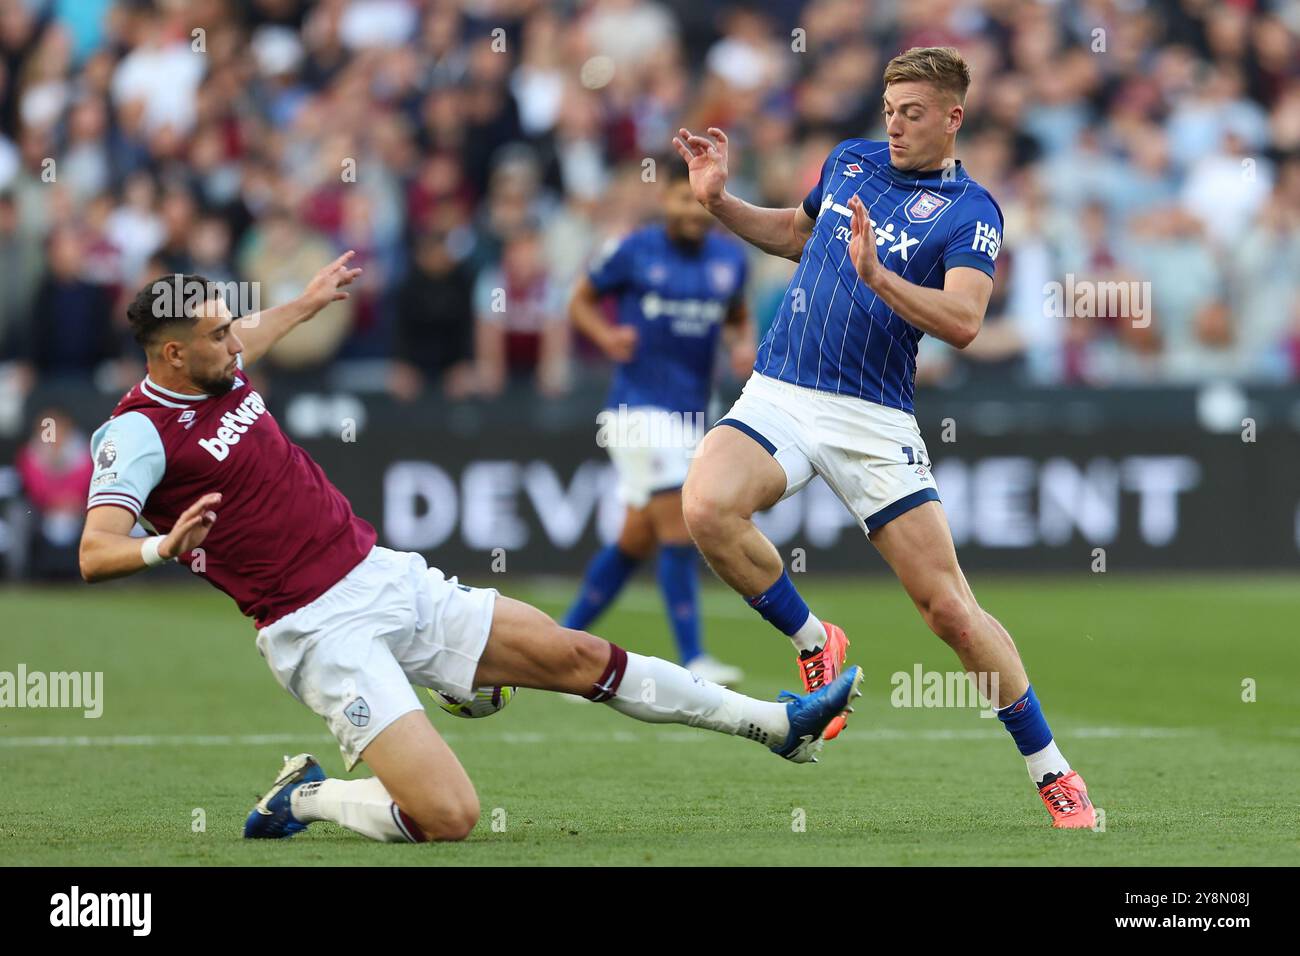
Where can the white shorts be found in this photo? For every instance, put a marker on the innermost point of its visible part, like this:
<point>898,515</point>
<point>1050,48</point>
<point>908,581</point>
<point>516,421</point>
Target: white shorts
<point>352,654</point>
<point>651,449</point>
<point>871,456</point>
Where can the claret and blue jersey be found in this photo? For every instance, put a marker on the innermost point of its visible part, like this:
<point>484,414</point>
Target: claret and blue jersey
<point>677,297</point>
<point>832,332</point>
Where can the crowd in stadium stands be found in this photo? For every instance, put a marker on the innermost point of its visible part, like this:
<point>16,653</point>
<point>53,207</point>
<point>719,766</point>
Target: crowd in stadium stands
<point>476,152</point>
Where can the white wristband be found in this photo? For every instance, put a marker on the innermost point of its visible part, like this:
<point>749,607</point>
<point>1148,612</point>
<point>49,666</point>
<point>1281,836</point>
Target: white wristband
<point>149,551</point>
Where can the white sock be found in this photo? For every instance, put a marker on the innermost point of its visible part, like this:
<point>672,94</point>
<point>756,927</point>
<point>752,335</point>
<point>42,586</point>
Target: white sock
<point>1048,760</point>
<point>810,636</point>
<point>362,806</point>
<point>659,692</point>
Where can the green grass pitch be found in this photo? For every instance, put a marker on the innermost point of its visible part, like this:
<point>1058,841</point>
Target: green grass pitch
<point>1141,679</point>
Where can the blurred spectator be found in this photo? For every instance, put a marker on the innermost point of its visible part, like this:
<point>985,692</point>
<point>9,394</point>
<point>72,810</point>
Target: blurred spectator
<point>1129,141</point>
<point>54,468</point>
<point>20,273</point>
<point>434,336</point>
<point>281,256</point>
<point>69,332</point>
<point>522,332</point>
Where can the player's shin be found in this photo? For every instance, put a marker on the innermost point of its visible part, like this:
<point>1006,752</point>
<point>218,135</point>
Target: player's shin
<point>604,578</point>
<point>783,608</point>
<point>1025,722</point>
<point>658,692</point>
<point>680,585</point>
<point>363,806</point>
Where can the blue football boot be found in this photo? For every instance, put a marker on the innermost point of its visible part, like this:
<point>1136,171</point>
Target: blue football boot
<point>272,818</point>
<point>810,715</point>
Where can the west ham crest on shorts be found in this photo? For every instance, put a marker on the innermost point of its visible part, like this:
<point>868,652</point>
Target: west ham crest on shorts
<point>358,712</point>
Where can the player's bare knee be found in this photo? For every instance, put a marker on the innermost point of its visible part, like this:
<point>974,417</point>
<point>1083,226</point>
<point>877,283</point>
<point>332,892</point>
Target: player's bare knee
<point>461,821</point>
<point>446,817</point>
<point>954,618</point>
<point>707,515</point>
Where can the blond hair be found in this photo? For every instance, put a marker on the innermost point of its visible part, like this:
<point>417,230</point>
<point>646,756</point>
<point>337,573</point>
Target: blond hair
<point>942,66</point>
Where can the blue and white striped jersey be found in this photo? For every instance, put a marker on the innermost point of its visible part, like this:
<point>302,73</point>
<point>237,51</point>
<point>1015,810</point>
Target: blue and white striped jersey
<point>832,332</point>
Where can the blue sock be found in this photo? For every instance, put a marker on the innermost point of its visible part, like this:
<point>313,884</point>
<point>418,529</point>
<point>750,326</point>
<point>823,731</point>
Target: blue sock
<point>1026,723</point>
<point>605,577</point>
<point>680,585</point>
<point>781,606</point>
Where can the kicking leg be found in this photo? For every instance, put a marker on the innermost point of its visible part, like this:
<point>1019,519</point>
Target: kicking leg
<point>526,648</point>
<point>918,546</point>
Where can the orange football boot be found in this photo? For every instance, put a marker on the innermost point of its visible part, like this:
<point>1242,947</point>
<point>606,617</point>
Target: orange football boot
<point>821,667</point>
<point>1067,801</point>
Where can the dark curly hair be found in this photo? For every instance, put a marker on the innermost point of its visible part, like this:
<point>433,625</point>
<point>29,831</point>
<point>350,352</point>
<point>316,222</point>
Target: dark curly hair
<point>167,300</point>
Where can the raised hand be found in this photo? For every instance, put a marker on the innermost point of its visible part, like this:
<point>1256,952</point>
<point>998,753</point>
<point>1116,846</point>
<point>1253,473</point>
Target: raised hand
<point>191,528</point>
<point>327,285</point>
<point>706,158</point>
<point>862,241</point>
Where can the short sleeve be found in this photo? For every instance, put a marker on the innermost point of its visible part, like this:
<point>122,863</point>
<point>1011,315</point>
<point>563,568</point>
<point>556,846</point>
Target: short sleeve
<point>977,237</point>
<point>612,267</point>
<point>812,203</point>
<point>129,462</point>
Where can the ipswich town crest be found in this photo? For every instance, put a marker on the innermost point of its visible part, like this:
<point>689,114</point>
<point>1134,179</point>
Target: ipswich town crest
<point>926,206</point>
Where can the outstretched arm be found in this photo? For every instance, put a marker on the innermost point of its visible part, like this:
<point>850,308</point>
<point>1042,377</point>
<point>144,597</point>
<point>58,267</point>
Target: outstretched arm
<point>109,551</point>
<point>781,232</point>
<point>261,330</point>
<point>952,314</point>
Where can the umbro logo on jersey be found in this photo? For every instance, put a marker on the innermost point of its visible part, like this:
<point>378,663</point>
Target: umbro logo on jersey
<point>852,170</point>
<point>187,418</point>
<point>233,425</point>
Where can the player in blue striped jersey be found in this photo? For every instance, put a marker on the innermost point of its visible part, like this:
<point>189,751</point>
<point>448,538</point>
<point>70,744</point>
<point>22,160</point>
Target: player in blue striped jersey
<point>895,241</point>
<point>679,286</point>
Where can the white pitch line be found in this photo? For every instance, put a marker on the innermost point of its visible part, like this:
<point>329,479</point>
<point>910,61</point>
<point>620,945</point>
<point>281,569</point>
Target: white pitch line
<point>852,735</point>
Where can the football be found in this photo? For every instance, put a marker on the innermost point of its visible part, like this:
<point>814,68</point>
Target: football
<point>485,702</point>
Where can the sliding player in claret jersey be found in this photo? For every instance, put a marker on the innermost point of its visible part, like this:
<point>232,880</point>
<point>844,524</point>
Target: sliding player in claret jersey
<point>895,241</point>
<point>347,626</point>
<point>679,285</point>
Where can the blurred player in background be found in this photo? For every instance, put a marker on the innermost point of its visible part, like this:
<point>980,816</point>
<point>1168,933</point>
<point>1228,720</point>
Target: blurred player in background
<point>345,626</point>
<point>679,285</point>
<point>895,241</point>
